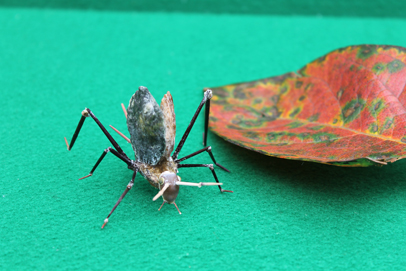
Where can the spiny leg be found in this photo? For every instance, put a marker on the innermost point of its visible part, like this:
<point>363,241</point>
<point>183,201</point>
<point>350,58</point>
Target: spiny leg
<point>129,186</point>
<point>210,166</point>
<point>206,121</point>
<point>86,113</point>
<point>207,149</point>
<point>207,96</point>
<point>113,151</point>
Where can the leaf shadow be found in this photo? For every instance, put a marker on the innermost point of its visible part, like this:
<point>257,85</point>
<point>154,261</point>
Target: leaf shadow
<point>326,182</point>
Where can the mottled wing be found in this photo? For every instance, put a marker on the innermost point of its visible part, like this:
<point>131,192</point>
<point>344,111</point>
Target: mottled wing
<point>146,125</point>
<point>170,123</point>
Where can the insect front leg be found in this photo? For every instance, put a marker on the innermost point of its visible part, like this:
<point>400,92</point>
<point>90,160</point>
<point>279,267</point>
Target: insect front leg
<point>207,96</point>
<point>207,149</point>
<point>210,166</point>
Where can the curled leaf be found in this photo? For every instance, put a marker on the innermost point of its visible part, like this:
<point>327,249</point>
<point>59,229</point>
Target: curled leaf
<point>346,108</point>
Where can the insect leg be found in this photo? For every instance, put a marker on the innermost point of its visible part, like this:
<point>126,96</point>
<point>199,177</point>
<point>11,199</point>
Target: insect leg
<point>207,96</point>
<point>75,135</point>
<point>86,113</point>
<point>113,151</point>
<point>129,186</point>
<point>208,149</point>
<point>206,121</point>
<point>210,166</point>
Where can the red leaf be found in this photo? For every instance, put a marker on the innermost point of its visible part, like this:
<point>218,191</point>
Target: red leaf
<point>346,108</point>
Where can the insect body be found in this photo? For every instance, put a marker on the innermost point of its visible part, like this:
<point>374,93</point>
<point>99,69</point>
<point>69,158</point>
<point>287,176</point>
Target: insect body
<point>152,129</point>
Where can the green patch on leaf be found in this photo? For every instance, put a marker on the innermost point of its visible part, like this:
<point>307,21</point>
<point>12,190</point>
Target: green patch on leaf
<point>213,118</point>
<point>252,135</point>
<point>376,106</point>
<point>352,110</point>
<point>298,84</point>
<point>324,137</point>
<point>315,128</point>
<point>378,68</point>
<point>395,66</point>
<point>284,89</point>
<point>308,86</point>
<point>239,94</point>
<point>257,101</point>
<point>221,93</point>
<point>313,118</point>
<point>294,112</point>
<point>276,136</point>
<point>373,128</point>
<point>366,51</point>
<point>303,136</point>
<point>275,98</point>
<point>295,124</point>
<point>387,125</point>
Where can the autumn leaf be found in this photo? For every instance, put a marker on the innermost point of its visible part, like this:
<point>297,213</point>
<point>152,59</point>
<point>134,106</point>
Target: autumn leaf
<point>346,108</point>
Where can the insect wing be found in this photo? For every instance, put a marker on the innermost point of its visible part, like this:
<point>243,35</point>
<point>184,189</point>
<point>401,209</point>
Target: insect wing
<point>146,124</point>
<point>170,123</point>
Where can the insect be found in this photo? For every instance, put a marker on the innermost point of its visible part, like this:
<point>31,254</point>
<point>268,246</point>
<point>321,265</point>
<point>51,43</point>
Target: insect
<point>152,136</point>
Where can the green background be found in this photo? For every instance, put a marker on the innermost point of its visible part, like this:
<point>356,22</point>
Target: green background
<point>282,215</point>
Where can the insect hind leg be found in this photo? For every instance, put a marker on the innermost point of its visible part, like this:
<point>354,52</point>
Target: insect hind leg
<point>109,149</point>
<point>207,149</point>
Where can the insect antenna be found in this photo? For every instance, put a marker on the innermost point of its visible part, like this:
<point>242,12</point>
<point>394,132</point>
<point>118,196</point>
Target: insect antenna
<point>129,186</point>
<point>122,135</point>
<point>124,110</point>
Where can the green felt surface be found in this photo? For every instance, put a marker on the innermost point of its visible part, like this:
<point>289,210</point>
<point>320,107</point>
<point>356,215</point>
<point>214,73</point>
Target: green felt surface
<point>360,8</point>
<point>283,215</point>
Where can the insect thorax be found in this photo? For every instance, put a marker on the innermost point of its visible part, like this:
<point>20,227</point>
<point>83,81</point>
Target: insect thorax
<point>152,173</point>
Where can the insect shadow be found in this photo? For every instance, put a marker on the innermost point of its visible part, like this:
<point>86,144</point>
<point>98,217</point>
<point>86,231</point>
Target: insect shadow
<point>152,131</point>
